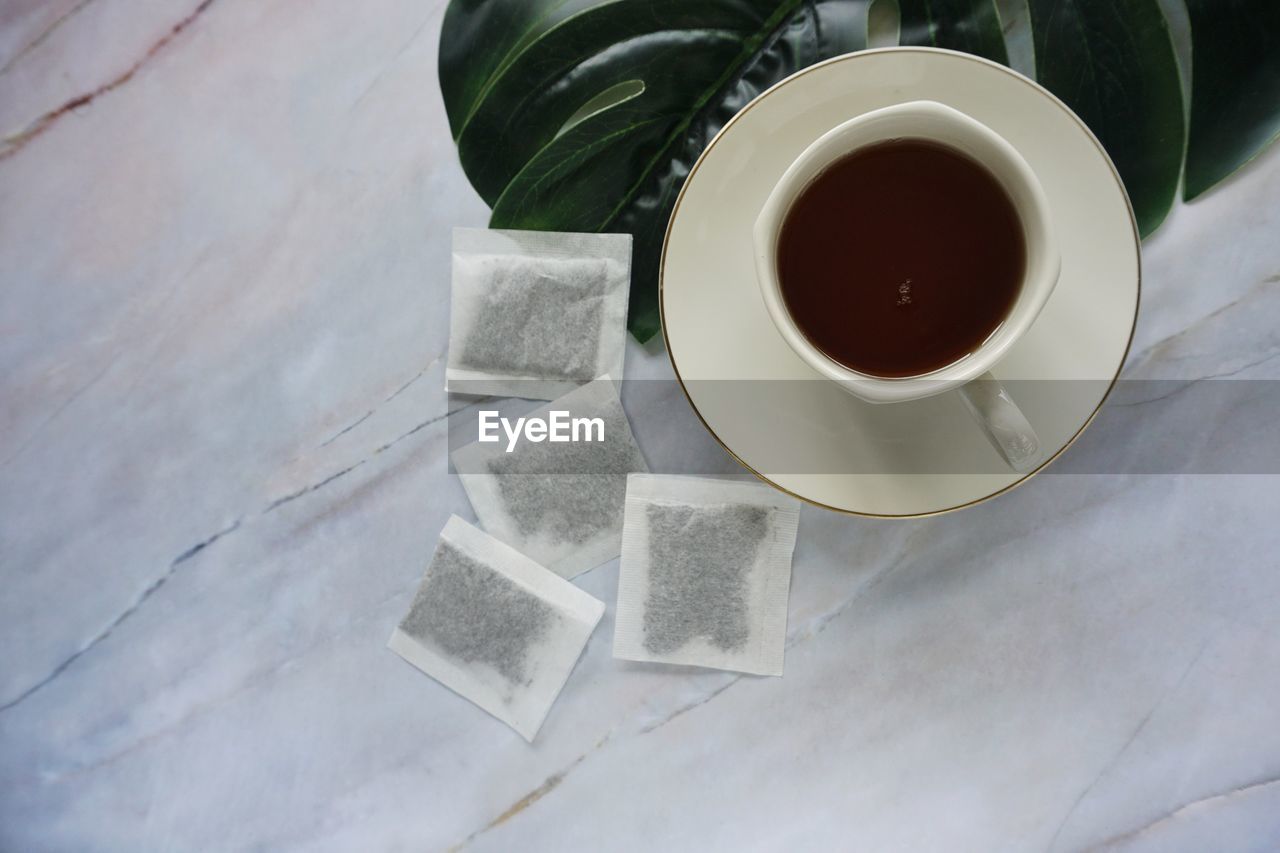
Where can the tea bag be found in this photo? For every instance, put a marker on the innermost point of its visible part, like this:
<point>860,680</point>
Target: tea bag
<point>558,502</point>
<point>536,313</point>
<point>495,627</point>
<point>706,571</point>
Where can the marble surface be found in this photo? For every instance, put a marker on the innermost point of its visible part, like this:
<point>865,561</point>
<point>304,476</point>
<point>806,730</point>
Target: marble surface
<point>223,313</point>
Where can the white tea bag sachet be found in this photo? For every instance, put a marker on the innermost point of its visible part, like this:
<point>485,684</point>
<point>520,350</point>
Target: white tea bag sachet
<point>706,572</point>
<point>559,502</point>
<point>536,313</point>
<point>495,627</point>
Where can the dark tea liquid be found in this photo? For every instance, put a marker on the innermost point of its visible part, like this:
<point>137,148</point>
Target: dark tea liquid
<point>901,258</point>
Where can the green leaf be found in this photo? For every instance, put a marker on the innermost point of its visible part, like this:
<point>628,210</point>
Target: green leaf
<point>1112,61</point>
<point>1235,87</point>
<point>972,26</point>
<point>587,115</point>
<point>524,84</point>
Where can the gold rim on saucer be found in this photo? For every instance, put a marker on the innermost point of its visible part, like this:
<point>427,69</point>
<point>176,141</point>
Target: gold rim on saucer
<point>848,57</point>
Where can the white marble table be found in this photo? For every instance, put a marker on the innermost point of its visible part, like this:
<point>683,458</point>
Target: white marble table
<point>223,294</point>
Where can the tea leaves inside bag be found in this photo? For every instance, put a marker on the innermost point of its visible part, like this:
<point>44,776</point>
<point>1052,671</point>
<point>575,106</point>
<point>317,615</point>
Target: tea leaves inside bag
<point>534,314</point>
<point>698,575</point>
<point>537,317</point>
<point>705,573</point>
<point>569,491</point>
<point>561,503</point>
<point>477,616</point>
<point>495,627</point>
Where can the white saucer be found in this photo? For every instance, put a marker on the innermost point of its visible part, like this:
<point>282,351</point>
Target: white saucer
<point>716,327</point>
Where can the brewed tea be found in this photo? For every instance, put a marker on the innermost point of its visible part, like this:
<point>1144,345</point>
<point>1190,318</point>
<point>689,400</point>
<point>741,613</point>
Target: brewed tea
<point>901,258</point>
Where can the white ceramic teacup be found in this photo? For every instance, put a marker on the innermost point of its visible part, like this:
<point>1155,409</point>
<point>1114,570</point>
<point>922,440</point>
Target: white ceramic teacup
<point>1007,428</point>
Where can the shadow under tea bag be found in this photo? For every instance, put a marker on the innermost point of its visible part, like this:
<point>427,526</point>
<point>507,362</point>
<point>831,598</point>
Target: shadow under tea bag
<point>495,627</point>
<point>558,502</point>
<point>536,313</point>
<point>706,573</point>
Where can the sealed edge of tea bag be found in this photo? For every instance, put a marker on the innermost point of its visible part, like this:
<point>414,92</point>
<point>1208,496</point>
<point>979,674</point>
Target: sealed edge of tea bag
<point>610,352</point>
<point>489,492</point>
<point>770,570</point>
<point>577,614</point>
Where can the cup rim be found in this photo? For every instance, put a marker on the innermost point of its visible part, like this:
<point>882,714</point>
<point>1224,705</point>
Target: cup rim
<point>1011,170</point>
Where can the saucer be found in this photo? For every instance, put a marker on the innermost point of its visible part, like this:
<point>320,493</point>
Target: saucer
<point>902,459</point>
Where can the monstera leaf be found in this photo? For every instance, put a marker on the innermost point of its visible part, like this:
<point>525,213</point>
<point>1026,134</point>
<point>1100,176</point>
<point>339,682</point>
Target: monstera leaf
<point>582,115</point>
<point>1235,86</point>
<point>972,26</point>
<point>586,115</point>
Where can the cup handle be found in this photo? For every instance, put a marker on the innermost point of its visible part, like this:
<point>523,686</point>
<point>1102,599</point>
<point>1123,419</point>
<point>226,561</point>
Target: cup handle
<point>1008,430</point>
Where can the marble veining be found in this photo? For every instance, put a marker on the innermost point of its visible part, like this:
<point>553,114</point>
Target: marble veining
<point>224,249</point>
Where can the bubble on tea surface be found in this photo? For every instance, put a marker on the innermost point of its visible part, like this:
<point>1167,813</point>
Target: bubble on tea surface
<point>904,293</point>
<point>700,560</point>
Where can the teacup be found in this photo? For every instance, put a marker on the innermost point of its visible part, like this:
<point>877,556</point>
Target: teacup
<point>1004,424</point>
